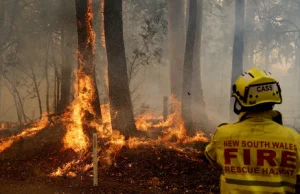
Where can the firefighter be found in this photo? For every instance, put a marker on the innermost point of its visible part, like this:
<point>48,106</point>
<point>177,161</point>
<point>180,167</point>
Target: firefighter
<point>257,154</point>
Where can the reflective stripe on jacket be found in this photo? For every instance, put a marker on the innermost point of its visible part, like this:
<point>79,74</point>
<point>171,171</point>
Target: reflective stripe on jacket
<point>257,155</point>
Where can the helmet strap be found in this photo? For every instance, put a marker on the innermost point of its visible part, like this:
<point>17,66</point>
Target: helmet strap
<point>235,108</point>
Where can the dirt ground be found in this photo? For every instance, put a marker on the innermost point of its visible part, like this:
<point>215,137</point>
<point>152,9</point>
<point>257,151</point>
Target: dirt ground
<point>26,165</point>
<point>139,170</point>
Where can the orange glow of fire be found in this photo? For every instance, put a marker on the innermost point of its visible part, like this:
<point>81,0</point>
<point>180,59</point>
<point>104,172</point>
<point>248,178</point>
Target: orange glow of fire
<point>75,137</point>
<point>142,123</point>
<point>3,126</point>
<point>102,25</point>
<point>27,132</point>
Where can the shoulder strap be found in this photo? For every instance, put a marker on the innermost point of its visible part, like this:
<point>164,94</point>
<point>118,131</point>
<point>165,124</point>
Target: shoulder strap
<point>277,117</point>
<point>223,124</point>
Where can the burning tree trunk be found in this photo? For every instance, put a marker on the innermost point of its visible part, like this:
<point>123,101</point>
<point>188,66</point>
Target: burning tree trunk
<point>176,43</point>
<point>238,47</point>
<point>120,101</point>
<point>86,65</point>
<point>188,68</point>
<point>198,105</point>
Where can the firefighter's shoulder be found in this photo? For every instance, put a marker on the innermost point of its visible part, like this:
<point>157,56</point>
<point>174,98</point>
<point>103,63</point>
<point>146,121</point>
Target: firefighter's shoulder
<point>222,124</point>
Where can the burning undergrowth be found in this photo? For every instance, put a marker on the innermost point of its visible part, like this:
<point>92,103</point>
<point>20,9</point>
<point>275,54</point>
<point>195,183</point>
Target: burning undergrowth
<point>73,145</point>
<point>60,146</point>
<point>164,159</point>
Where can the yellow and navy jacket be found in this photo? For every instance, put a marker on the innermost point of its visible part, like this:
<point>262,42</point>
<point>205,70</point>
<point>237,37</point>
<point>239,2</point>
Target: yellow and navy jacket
<point>257,155</point>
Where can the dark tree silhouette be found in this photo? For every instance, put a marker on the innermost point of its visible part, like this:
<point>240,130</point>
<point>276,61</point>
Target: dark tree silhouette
<point>188,68</point>
<point>119,95</point>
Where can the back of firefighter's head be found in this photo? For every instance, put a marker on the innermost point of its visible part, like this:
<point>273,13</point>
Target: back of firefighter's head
<point>256,91</point>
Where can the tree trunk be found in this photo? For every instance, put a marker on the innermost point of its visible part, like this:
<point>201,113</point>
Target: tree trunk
<point>176,31</point>
<point>238,49</point>
<point>86,57</point>
<point>18,110</point>
<point>248,36</point>
<point>54,93</point>
<point>199,114</point>
<point>188,68</point>
<point>37,91</point>
<point>47,77</point>
<point>120,102</point>
<point>66,71</point>
<point>2,19</point>
<point>67,61</point>
<point>15,93</point>
<point>57,90</point>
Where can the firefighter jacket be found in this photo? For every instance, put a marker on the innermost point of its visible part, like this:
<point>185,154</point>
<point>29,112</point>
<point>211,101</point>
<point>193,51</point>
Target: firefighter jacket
<point>256,154</point>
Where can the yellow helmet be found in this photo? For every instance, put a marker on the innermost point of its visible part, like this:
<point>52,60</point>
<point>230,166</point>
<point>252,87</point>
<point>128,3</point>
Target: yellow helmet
<point>256,87</point>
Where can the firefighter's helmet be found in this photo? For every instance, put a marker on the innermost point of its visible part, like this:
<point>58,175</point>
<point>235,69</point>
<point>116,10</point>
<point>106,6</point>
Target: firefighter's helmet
<point>256,87</point>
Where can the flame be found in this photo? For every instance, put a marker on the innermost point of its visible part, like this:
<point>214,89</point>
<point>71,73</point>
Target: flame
<point>8,125</point>
<point>106,77</point>
<point>142,123</point>
<point>85,91</point>
<point>74,119</point>
<point>27,132</point>
<point>102,24</point>
<point>80,117</point>
<point>4,126</point>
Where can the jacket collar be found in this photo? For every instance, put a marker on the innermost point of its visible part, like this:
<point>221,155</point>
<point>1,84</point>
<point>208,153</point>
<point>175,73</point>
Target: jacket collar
<point>266,114</point>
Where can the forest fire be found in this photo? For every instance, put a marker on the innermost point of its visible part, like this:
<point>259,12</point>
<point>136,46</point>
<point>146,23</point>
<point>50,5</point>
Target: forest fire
<point>81,118</point>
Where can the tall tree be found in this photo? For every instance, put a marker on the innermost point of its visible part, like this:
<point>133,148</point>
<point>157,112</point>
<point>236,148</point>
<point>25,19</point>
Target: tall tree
<point>188,67</point>
<point>238,48</point>
<point>176,41</point>
<point>199,114</point>
<point>68,35</point>
<point>86,65</point>
<point>119,95</point>
<point>248,34</point>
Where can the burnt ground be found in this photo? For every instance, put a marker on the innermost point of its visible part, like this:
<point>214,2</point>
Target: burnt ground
<point>148,169</point>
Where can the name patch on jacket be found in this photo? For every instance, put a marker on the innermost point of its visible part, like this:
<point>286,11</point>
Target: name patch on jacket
<point>260,157</point>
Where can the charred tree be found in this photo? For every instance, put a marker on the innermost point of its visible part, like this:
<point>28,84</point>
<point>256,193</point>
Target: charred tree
<point>176,33</point>
<point>238,48</point>
<point>199,114</point>
<point>86,64</point>
<point>188,68</point>
<point>120,102</point>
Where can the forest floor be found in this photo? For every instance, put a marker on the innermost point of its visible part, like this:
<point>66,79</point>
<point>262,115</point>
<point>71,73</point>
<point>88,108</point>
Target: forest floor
<point>145,169</point>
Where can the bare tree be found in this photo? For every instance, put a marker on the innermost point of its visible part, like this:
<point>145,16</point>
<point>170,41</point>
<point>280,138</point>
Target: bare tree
<point>120,101</point>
